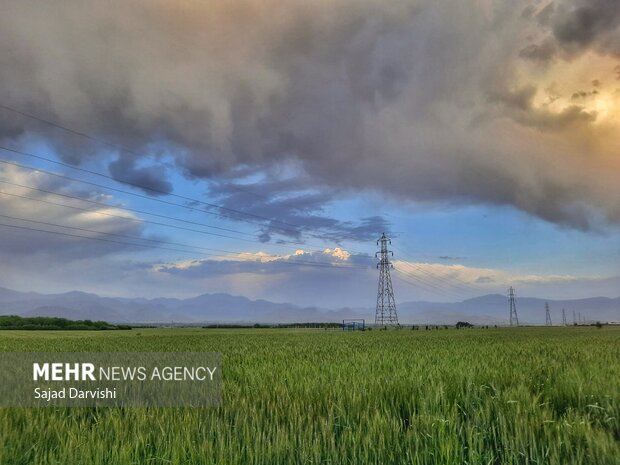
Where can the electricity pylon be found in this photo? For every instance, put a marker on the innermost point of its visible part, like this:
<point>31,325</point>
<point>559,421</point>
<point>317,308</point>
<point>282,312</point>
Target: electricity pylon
<point>514,319</point>
<point>564,317</point>
<point>547,315</point>
<point>574,318</point>
<point>386,306</point>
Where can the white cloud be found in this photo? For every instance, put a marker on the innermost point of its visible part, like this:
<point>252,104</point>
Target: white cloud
<point>28,209</point>
<point>474,277</point>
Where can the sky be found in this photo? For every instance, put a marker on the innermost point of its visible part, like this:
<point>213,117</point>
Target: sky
<point>260,148</point>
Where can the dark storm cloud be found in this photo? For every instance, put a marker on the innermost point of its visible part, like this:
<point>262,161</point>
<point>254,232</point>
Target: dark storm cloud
<point>363,94</point>
<point>364,230</point>
<point>542,52</point>
<point>151,179</point>
<point>295,208</point>
<point>581,23</point>
<point>10,127</point>
<point>576,26</point>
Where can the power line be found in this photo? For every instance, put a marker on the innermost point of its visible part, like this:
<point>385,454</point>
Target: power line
<point>125,217</point>
<point>92,238</point>
<point>133,210</point>
<point>467,286</point>
<point>114,189</point>
<point>140,220</point>
<point>444,284</point>
<point>69,178</point>
<point>148,188</point>
<point>429,286</point>
<point>434,281</point>
<point>426,284</point>
<point>73,131</point>
<point>437,281</point>
<point>279,229</point>
<point>125,236</point>
<point>100,141</point>
<point>298,228</point>
<point>279,261</point>
<point>418,285</point>
<point>422,280</point>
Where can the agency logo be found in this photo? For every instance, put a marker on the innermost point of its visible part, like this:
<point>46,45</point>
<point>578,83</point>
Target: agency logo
<point>140,379</point>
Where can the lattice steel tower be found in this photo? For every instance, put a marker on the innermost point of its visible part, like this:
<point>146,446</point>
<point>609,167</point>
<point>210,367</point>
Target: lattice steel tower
<point>514,319</point>
<point>547,315</point>
<point>386,306</point>
<point>564,318</point>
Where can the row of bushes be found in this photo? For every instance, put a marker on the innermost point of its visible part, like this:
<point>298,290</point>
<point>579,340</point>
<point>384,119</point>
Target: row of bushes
<point>54,323</point>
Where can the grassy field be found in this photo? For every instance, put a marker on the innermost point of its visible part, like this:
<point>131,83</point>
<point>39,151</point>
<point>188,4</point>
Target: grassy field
<point>497,396</point>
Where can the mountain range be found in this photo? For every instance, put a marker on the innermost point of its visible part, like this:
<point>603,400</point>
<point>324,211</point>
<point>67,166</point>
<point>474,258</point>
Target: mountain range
<point>225,308</point>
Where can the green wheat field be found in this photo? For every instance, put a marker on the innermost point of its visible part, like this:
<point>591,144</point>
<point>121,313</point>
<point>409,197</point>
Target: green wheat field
<point>496,396</point>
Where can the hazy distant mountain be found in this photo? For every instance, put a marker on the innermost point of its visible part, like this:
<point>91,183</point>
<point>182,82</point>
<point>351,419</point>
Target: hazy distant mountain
<point>8,295</point>
<point>493,309</point>
<point>214,308</point>
<point>76,314</point>
<point>207,308</point>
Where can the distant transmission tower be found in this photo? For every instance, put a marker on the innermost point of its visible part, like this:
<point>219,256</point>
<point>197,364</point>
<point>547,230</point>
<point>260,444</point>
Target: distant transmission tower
<point>579,319</point>
<point>514,319</point>
<point>574,318</point>
<point>564,318</point>
<point>386,306</point>
<point>547,315</point>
